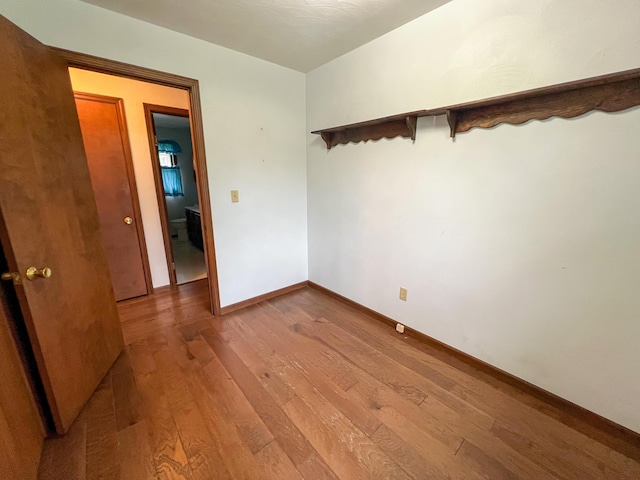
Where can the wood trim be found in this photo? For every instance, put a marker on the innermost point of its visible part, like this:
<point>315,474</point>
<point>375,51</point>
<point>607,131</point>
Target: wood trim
<point>131,177</point>
<point>609,97</point>
<point>396,126</point>
<point>591,424</point>
<point>121,69</point>
<point>597,81</point>
<point>23,429</point>
<point>202,177</point>
<point>161,290</point>
<point>11,313</point>
<point>608,93</point>
<point>261,298</point>
<point>113,67</point>
<point>157,178</point>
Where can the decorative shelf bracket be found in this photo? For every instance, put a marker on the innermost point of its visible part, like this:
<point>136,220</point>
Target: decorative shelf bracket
<point>328,139</point>
<point>607,93</point>
<point>412,123</point>
<point>390,127</point>
<point>452,120</point>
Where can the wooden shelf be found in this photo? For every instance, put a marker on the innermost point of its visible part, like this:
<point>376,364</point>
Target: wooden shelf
<point>403,125</point>
<point>607,93</point>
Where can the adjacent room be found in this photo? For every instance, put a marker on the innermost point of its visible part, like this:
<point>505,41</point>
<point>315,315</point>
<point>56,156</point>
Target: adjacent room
<point>181,196</point>
<point>320,239</point>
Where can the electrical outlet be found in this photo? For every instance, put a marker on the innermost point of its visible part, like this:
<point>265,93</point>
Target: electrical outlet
<point>235,197</point>
<point>399,328</point>
<point>403,294</point>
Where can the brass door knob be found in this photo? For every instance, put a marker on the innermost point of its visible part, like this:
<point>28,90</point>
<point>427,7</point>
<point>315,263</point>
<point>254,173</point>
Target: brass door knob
<point>32,273</point>
<point>128,220</point>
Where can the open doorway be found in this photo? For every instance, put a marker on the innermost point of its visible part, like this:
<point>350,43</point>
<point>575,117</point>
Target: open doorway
<point>143,171</point>
<point>175,173</point>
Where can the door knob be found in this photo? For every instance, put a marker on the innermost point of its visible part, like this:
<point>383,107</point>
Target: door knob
<point>12,276</point>
<point>33,273</point>
<point>128,220</point>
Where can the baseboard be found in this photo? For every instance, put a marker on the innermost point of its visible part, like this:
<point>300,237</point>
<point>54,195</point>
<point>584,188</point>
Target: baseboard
<point>591,424</point>
<point>160,290</point>
<point>261,298</point>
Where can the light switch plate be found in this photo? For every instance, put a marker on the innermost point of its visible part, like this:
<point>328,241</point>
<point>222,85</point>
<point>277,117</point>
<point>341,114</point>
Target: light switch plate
<point>235,197</point>
<point>403,294</point>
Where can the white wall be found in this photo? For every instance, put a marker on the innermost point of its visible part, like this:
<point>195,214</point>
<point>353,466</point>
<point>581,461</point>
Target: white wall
<point>254,120</point>
<point>518,245</point>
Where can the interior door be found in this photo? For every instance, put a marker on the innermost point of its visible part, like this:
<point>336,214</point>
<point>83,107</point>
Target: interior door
<point>106,144</point>
<point>48,218</point>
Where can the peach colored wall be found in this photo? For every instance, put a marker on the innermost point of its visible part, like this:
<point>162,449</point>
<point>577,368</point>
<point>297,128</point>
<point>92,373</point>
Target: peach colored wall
<point>134,94</point>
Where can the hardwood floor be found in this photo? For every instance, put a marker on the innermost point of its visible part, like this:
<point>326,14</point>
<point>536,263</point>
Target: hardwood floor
<point>190,262</point>
<point>304,386</point>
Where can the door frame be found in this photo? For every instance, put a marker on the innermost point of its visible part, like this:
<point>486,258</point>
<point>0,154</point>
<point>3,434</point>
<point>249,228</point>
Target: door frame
<point>113,67</point>
<point>149,109</point>
<point>131,179</point>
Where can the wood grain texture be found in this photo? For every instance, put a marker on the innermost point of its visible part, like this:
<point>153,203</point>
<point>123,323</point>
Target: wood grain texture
<point>404,126</point>
<point>607,93</point>
<point>267,296</point>
<point>106,144</point>
<point>65,457</point>
<point>588,423</point>
<point>50,220</point>
<point>149,110</point>
<point>101,441</point>
<point>306,386</point>
<point>126,395</point>
<point>610,97</point>
<point>113,67</point>
<point>134,455</point>
<point>21,430</point>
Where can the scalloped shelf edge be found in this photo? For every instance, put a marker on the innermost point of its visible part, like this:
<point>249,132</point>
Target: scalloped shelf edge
<point>608,93</point>
<point>397,126</point>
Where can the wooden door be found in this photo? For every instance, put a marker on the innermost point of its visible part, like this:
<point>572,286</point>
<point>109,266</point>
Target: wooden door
<point>48,218</point>
<point>106,144</point>
<point>21,430</point>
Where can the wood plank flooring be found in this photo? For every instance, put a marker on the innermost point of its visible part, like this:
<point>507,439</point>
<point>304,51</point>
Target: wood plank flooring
<point>304,386</point>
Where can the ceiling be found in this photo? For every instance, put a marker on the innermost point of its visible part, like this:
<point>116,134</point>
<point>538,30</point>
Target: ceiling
<point>299,34</point>
<point>170,121</point>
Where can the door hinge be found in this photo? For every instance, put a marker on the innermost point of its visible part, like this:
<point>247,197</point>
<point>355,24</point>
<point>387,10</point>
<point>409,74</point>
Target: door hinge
<point>174,266</point>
